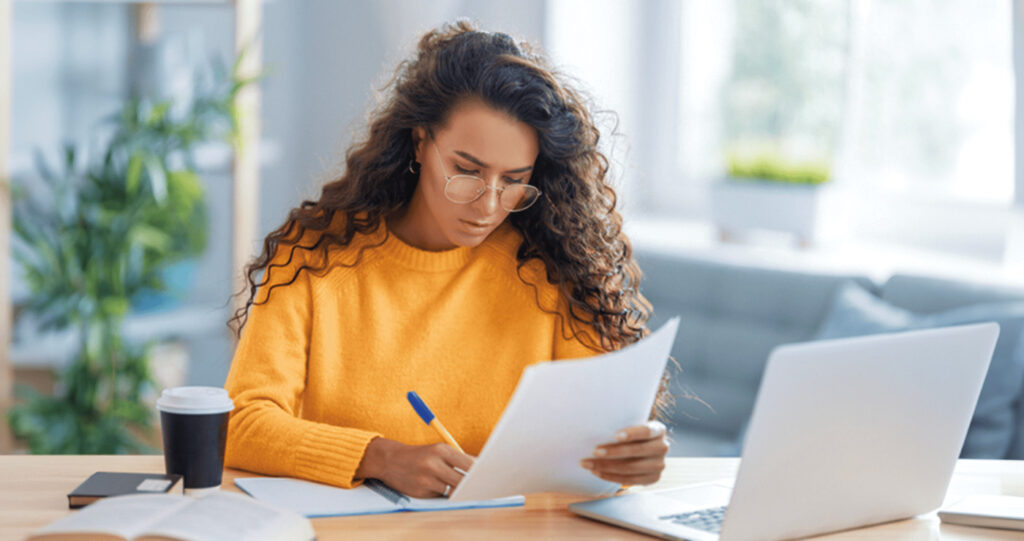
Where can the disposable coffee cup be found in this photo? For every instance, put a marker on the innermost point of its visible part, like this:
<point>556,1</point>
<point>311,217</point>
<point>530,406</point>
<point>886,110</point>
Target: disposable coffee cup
<point>194,422</point>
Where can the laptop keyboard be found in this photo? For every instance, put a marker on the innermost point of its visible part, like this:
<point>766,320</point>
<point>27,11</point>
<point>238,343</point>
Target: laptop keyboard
<point>708,520</point>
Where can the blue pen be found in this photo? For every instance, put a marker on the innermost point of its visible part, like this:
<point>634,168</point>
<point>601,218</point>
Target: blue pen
<point>428,417</point>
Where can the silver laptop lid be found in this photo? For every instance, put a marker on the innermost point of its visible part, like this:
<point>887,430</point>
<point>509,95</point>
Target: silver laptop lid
<point>857,431</point>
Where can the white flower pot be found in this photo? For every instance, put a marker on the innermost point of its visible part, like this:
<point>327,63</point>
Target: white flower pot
<point>738,205</point>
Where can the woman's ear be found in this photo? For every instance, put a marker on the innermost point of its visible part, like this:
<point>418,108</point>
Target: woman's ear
<point>419,138</point>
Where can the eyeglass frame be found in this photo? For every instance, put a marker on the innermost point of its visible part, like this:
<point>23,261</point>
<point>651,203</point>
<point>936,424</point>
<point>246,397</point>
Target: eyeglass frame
<point>500,191</point>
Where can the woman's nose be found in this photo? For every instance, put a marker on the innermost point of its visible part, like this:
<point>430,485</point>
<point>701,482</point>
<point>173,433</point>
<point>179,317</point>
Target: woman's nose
<point>490,201</point>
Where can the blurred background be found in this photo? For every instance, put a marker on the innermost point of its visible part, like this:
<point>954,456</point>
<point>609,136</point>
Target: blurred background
<point>820,137</point>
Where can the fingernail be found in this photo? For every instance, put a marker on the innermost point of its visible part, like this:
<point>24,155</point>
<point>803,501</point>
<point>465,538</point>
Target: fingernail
<point>600,452</point>
<point>621,436</point>
<point>588,464</point>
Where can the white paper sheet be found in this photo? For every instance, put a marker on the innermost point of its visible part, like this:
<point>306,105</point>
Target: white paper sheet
<point>319,500</point>
<point>559,413</point>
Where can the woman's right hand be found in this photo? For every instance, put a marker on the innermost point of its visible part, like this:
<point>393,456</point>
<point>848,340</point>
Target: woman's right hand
<point>420,471</point>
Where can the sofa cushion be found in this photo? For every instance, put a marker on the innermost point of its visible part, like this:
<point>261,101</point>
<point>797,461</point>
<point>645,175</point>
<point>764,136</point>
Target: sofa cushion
<point>993,428</point>
<point>928,295</point>
<point>732,315</point>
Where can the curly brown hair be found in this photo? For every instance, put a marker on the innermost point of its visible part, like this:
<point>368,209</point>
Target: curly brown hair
<point>575,229</point>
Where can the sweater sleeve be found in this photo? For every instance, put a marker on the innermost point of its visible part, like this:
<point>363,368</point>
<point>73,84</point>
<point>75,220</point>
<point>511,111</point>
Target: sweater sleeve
<point>267,378</point>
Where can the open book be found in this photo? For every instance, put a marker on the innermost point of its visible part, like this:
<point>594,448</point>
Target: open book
<point>217,516</point>
<point>372,497</point>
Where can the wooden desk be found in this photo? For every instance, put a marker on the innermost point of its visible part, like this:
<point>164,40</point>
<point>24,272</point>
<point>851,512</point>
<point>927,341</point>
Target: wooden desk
<point>33,493</point>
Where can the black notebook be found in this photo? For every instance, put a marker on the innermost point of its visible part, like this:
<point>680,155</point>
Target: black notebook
<point>104,483</point>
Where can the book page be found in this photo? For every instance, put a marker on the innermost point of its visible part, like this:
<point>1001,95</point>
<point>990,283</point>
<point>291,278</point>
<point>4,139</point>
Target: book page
<point>316,499</point>
<point>409,503</point>
<point>123,516</point>
<point>230,516</point>
<point>373,497</point>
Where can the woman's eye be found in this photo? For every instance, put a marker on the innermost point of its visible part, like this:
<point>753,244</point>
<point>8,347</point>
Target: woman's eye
<point>465,171</point>
<point>511,180</point>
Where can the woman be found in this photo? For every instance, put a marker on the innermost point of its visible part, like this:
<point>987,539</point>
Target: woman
<point>472,233</point>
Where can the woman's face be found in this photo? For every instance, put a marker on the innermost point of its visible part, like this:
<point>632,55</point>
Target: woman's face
<point>480,141</point>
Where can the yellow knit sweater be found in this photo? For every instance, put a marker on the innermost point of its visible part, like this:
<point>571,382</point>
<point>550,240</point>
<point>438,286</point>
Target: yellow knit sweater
<point>324,366</point>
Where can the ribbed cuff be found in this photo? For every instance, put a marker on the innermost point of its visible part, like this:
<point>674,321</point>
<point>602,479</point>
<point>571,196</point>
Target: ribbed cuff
<point>331,454</point>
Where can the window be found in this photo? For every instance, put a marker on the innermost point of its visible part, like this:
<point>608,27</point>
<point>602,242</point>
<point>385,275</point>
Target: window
<point>903,98</point>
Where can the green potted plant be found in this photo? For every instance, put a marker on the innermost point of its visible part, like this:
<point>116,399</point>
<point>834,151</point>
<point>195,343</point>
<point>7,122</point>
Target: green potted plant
<point>94,235</point>
<point>767,189</point>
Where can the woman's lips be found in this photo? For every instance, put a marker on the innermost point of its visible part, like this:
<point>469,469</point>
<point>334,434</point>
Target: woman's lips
<point>477,225</point>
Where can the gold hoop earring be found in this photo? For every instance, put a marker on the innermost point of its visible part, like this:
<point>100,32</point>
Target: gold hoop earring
<point>411,169</point>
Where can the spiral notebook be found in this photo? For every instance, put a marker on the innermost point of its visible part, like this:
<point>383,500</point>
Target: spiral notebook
<point>371,498</point>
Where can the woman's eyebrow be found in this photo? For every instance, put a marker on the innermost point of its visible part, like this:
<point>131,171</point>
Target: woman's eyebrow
<point>473,159</point>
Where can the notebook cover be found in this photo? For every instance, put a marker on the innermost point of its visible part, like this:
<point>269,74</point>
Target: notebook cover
<point>315,500</point>
<point>102,484</point>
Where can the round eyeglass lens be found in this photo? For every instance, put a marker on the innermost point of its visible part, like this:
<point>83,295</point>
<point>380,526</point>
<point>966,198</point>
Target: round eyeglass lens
<point>461,189</point>
<point>518,197</point>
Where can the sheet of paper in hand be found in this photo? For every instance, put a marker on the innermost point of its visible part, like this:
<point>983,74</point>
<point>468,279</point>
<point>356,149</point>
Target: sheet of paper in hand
<point>560,412</point>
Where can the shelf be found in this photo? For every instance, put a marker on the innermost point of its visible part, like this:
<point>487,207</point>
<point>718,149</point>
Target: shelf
<point>55,349</point>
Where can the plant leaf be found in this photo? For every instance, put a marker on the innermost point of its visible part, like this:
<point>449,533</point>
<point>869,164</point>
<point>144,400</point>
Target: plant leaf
<point>159,111</point>
<point>115,306</point>
<point>157,178</point>
<point>134,174</point>
<point>150,237</point>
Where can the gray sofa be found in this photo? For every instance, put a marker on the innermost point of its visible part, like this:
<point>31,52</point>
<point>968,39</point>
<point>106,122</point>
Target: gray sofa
<point>732,315</point>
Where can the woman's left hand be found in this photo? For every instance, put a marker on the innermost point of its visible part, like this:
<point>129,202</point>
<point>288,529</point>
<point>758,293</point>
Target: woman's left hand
<point>636,458</point>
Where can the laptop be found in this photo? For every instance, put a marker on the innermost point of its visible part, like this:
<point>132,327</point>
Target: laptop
<point>845,433</point>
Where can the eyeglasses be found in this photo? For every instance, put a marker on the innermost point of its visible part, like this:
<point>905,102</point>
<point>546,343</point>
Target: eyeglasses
<point>465,189</point>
